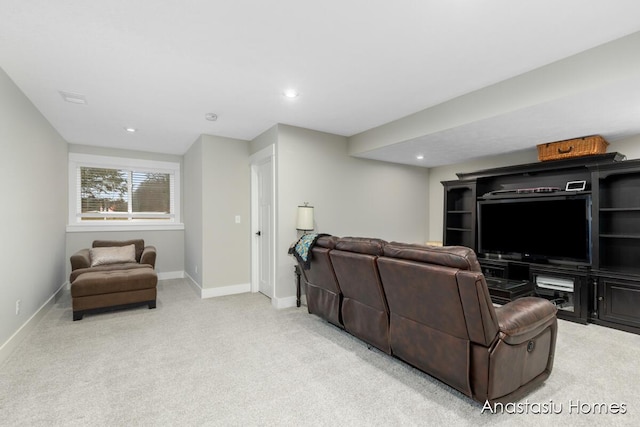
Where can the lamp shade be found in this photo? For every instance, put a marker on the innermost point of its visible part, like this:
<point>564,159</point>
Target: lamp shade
<point>305,218</point>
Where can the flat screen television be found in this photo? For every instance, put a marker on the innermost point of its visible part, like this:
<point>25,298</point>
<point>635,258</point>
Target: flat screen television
<point>536,229</point>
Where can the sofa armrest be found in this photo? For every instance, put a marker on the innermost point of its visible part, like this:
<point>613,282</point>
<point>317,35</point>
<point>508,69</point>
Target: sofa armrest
<point>80,259</point>
<point>149,256</point>
<point>524,318</point>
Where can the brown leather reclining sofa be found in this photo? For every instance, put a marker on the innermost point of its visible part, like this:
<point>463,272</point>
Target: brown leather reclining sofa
<point>430,307</point>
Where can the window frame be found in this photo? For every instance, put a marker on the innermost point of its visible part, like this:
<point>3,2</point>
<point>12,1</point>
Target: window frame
<point>78,160</point>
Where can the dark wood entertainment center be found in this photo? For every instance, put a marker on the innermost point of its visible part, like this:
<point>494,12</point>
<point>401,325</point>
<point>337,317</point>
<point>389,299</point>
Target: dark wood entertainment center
<point>605,291</point>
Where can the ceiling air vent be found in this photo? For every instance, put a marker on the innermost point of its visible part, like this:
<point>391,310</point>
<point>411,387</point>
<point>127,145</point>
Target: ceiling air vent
<point>74,98</point>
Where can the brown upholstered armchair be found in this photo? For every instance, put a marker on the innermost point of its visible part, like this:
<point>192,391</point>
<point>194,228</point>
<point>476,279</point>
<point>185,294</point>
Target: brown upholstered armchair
<point>112,275</point>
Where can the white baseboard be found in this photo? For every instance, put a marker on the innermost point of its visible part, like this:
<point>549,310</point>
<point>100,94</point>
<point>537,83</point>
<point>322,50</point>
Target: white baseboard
<point>278,303</point>
<point>12,343</point>
<point>218,291</point>
<point>195,285</point>
<point>225,290</point>
<point>167,275</point>
<point>286,302</point>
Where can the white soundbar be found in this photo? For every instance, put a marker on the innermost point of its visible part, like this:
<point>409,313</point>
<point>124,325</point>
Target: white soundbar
<point>554,283</point>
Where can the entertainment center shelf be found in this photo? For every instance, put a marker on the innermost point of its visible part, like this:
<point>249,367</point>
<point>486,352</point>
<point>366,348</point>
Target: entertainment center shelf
<point>589,210</point>
<point>460,213</point>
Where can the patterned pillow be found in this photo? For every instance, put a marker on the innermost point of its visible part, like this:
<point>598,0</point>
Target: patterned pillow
<point>112,255</point>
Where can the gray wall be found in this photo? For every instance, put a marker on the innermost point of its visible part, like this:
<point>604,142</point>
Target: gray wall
<point>33,161</point>
<point>217,187</point>
<point>351,197</point>
<point>192,215</point>
<point>226,184</point>
<point>130,154</point>
<point>265,139</point>
<point>630,147</point>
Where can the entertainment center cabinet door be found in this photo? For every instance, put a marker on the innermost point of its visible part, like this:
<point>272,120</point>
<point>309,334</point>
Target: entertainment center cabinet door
<point>572,305</point>
<point>618,303</point>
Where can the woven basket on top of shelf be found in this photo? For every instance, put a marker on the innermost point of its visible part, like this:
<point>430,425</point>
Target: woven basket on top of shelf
<point>585,146</point>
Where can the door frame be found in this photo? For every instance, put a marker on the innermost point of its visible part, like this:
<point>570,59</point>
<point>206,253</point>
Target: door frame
<point>256,160</point>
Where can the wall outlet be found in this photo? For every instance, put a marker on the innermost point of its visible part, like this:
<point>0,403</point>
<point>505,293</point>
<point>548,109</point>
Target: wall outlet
<point>196,269</point>
<point>237,219</point>
<point>18,302</point>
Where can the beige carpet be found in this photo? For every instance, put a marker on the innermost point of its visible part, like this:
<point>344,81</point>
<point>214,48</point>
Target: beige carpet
<point>236,361</point>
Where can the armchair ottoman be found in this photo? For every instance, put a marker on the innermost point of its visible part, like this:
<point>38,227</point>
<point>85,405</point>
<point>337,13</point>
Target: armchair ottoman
<point>113,275</point>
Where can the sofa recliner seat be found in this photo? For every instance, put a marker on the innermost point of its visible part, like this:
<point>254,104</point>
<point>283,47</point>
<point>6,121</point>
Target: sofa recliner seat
<point>113,286</point>
<point>444,323</point>
<point>365,313</point>
<point>324,296</point>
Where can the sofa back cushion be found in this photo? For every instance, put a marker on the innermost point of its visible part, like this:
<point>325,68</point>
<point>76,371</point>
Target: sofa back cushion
<point>427,324</point>
<point>361,245</point>
<point>326,241</point>
<point>458,257</point>
<point>434,299</point>
<point>364,308</point>
<point>424,293</point>
<point>320,272</point>
<point>138,243</point>
<point>450,291</point>
<point>354,262</point>
<point>323,292</point>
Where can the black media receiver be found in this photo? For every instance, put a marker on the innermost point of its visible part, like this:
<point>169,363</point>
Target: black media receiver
<point>536,229</point>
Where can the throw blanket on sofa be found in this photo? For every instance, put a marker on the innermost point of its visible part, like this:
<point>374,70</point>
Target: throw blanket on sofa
<point>302,249</point>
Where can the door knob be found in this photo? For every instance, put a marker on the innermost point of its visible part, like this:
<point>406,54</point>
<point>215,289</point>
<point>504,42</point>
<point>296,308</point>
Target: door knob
<point>258,234</point>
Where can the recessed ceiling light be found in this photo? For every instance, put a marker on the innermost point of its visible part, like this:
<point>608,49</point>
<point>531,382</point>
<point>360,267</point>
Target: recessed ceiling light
<point>291,93</point>
<point>130,130</point>
<point>211,117</point>
<point>74,98</point>
<point>420,156</point>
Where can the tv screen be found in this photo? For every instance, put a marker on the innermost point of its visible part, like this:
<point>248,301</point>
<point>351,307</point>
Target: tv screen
<point>537,228</point>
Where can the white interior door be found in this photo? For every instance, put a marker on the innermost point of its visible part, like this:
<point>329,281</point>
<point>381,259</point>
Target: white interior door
<point>263,222</point>
<point>264,235</point>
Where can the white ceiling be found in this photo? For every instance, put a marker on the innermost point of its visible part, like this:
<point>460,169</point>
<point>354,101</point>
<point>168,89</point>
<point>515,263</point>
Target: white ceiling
<point>161,65</point>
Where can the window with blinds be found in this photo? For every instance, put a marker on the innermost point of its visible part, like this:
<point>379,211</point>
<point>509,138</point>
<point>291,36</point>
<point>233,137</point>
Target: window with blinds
<point>123,194</point>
